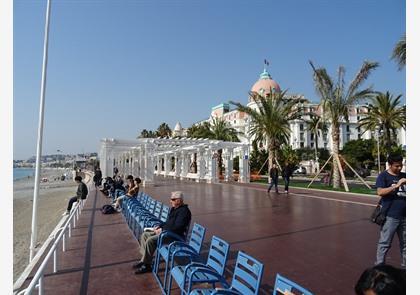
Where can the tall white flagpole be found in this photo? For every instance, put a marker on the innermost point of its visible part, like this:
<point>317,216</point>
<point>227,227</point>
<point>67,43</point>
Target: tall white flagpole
<point>32,247</point>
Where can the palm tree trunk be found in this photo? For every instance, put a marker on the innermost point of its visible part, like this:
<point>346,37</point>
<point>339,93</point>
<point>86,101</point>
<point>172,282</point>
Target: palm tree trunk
<point>335,150</point>
<point>271,154</point>
<point>220,161</point>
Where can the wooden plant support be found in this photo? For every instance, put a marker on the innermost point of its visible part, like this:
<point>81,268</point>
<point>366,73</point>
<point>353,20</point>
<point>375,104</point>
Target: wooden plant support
<point>361,179</point>
<point>320,170</point>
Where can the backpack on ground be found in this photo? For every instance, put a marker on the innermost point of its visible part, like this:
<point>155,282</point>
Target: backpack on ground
<point>108,209</point>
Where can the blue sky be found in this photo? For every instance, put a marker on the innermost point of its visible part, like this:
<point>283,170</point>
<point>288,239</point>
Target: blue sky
<point>117,67</point>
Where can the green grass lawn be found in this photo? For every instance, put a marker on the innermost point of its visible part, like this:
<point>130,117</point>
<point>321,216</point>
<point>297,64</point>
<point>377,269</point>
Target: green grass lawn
<point>353,188</point>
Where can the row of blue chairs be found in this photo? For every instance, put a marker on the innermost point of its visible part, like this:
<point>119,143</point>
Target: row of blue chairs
<point>183,263</point>
<point>143,211</point>
<point>247,273</point>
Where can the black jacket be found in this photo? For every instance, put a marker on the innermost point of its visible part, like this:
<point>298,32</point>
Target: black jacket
<point>274,173</point>
<point>82,191</point>
<point>178,220</point>
<point>287,171</point>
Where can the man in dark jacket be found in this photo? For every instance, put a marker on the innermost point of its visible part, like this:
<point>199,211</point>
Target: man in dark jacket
<point>178,220</point>
<point>286,173</point>
<point>97,178</point>
<point>274,175</point>
<point>81,193</point>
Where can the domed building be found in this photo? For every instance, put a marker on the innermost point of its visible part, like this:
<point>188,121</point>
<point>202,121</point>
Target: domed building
<point>300,136</point>
<point>265,85</point>
<point>178,130</point>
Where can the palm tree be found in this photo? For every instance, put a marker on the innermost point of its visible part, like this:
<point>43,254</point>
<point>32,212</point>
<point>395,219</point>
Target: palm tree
<point>336,99</point>
<point>217,129</point>
<point>270,120</point>
<point>146,134</point>
<point>316,126</point>
<point>199,130</point>
<point>398,54</point>
<point>163,130</point>
<point>386,114</point>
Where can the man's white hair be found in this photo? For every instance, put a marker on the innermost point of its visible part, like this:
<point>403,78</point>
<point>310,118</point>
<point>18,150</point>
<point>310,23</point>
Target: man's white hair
<point>177,195</point>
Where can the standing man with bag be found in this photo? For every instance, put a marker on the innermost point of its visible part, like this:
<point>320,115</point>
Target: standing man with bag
<point>391,186</point>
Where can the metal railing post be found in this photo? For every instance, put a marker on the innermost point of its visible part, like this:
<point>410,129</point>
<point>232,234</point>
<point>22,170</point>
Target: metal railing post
<point>55,261</point>
<point>64,242</point>
<point>69,231</point>
<point>41,285</point>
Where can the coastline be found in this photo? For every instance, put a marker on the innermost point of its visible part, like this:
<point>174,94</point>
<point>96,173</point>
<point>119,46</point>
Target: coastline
<point>53,198</point>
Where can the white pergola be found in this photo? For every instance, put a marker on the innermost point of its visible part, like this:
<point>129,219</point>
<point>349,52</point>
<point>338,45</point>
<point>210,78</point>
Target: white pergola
<point>183,158</point>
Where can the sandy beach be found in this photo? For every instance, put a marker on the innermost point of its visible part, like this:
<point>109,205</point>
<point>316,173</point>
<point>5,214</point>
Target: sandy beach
<point>53,198</point>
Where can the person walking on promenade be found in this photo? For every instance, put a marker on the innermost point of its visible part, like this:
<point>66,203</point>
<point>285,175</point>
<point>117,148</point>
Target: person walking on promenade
<point>97,178</point>
<point>81,193</point>
<point>115,171</point>
<point>178,220</point>
<point>391,186</point>
<point>274,175</point>
<point>286,173</point>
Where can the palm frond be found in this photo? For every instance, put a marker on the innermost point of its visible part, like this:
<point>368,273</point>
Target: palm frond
<point>398,53</point>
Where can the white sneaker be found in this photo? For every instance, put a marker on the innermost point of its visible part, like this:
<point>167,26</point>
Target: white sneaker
<point>66,213</point>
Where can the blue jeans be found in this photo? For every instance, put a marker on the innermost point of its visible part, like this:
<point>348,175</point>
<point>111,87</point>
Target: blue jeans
<point>274,181</point>
<point>117,193</point>
<point>391,226</point>
<point>286,182</point>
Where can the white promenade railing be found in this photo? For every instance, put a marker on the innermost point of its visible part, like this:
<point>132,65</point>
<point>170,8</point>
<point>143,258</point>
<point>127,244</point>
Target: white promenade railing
<point>37,281</point>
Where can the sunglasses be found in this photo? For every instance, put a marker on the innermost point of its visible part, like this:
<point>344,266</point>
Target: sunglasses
<point>174,199</point>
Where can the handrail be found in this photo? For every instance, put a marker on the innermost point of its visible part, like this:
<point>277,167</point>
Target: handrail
<point>39,275</point>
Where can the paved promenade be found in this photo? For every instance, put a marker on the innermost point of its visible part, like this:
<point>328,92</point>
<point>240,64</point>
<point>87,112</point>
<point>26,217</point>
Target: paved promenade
<point>322,240</point>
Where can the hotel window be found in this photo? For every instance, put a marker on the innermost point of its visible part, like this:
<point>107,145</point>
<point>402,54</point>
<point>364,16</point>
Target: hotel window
<point>302,144</point>
<point>348,128</point>
<point>301,127</point>
<point>312,136</point>
<point>312,145</point>
<point>301,137</point>
<point>348,137</point>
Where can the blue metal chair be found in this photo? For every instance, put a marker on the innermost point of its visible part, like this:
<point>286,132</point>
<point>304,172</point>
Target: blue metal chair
<point>282,285</point>
<point>216,261</point>
<point>165,251</point>
<point>139,213</point>
<point>246,277</point>
<point>141,220</point>
<point>153,221</point>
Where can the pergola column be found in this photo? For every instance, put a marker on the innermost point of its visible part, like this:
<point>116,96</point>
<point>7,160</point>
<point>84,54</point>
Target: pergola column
<point>184,164</point>
<point>159,165</point>
<point>149,166</point>
<point>177,165</point>
<point>166,165</point>
<point>141,163</point>
<point>201,164</point>
<point>244,166</point>
<point>212,165</point>
<point>228,157</point>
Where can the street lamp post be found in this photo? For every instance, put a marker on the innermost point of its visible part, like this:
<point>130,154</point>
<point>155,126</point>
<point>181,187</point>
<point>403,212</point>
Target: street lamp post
<point>40,133</point>
<point>379,154</point>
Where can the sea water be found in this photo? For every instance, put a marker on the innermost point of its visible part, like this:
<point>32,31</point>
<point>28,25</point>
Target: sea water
<point>19,173</point>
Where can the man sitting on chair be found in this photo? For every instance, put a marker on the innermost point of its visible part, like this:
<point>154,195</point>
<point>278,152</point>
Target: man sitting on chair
<point>178,220</point>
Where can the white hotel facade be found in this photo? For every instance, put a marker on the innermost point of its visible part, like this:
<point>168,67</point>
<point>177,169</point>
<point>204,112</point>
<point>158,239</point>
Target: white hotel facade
<point>300,136</point>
